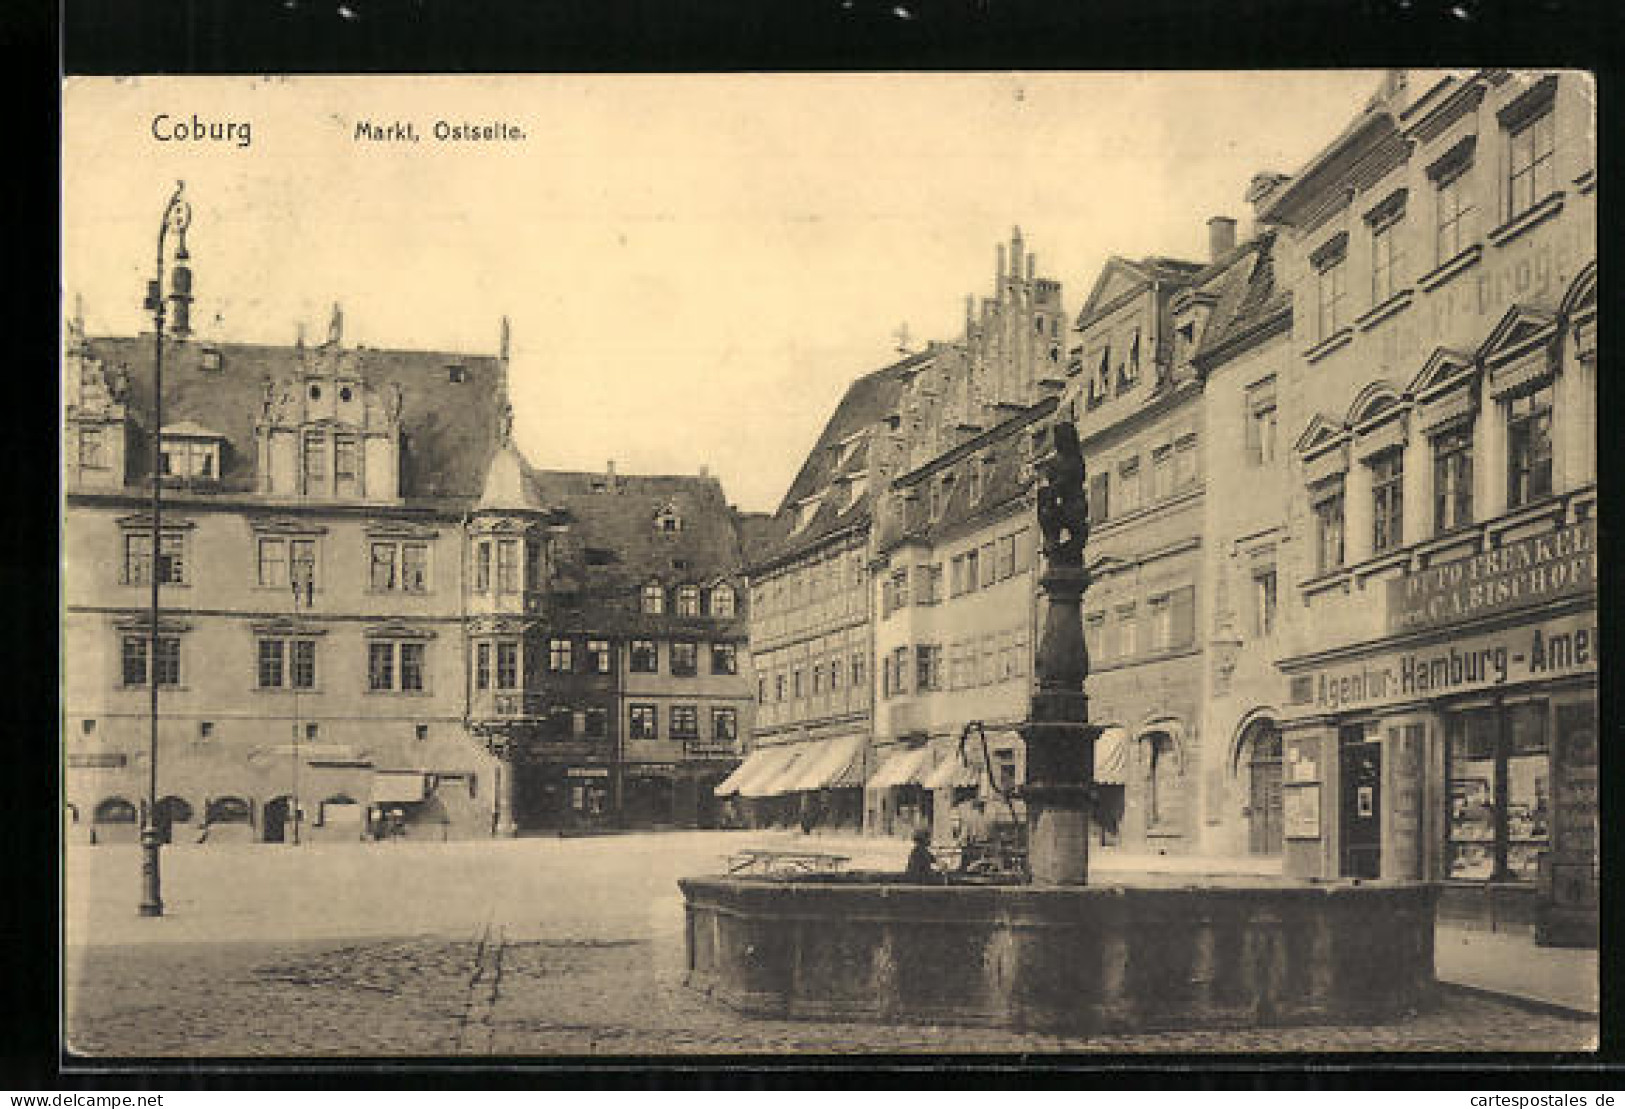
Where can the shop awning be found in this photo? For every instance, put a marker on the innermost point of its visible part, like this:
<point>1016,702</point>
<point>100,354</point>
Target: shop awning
<point>831,764</point>
<point>397,787</point>
<point>903,768</point>
<point>771,781</point>
<point>755,764</point>
<point>952,773</point>
<point>1111,757</point>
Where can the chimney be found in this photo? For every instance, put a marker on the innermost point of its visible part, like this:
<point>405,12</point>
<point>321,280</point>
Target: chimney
<point>705,471</point>
<point>1221,237</point>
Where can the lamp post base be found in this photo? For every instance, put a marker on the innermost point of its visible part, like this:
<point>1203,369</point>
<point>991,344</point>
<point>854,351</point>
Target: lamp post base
<point>152,902</point>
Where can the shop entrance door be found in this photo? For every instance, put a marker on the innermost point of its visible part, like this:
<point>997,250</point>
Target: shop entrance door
<point>1264,792</point>
<point>1361,808</point>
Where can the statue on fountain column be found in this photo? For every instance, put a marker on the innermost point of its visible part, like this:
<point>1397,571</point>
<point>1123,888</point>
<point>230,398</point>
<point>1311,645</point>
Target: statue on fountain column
<point>1063,502</point>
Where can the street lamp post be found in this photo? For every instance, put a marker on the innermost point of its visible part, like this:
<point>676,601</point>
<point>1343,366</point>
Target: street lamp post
<point>177,216</point>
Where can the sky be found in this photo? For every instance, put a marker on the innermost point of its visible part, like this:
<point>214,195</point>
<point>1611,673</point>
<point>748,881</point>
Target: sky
<point>694,266</point>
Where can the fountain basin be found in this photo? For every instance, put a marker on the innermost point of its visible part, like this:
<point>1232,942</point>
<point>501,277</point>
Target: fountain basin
<point>1159,952</point>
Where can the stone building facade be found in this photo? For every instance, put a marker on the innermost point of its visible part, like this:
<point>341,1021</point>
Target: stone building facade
<point>1441,712</point>
<point>373,608</point>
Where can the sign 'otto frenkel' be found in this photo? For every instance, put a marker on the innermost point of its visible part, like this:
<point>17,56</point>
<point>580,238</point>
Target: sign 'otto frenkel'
<point>1522,572</point>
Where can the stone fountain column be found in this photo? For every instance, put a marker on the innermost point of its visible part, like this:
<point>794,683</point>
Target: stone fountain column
<point>1060,740</point>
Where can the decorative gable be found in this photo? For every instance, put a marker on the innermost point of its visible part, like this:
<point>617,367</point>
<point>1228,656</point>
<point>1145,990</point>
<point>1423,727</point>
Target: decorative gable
<point>1118,278</point>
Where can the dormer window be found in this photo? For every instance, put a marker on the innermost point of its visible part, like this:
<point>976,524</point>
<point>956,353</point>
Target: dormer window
<point>668,521</point>
<point>688,600</point>
<point>722,601</point>
<point>654,599</point>
<point>189,452</point>
<point>456,373</point>
<point>210,360</point>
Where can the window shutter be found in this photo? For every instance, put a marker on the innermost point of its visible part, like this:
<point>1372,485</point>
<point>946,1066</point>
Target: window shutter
<point>1184,616</point>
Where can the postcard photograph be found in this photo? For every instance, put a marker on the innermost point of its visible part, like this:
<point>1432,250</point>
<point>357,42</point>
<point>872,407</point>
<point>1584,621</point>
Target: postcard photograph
<point>789,566</point>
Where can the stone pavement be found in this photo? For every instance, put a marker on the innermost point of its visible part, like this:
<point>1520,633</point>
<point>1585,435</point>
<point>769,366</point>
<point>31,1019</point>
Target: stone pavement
<point>529,947</point>
<point>1513,966</point>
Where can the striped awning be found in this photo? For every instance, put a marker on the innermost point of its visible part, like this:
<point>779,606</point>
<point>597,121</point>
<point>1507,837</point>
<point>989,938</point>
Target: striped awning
<point>775,778</point>
<point>830,764</point>
<point>903,768</point>
<point>953,773</point>
<point>1111,757</point>
<point>757,765</point>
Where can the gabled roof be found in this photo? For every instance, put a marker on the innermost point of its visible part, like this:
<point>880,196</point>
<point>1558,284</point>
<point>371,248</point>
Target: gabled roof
<point>868,401</point>
<point>1121,276</point>
<point>450,429</point>
<point>601,591</point>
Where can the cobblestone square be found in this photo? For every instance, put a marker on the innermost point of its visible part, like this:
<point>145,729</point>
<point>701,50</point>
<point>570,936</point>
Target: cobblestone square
<point>530,948</point>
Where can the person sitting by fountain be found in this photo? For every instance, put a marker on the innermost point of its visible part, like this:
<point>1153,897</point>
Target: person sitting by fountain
<point>922,865</point>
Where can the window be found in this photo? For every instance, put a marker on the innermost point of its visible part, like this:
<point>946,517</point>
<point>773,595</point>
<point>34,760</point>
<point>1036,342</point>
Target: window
<point>287,663</point>
<point>1185,462</point>
<point>1162,785</point>
<point>688,600</point>
<point>411,667</point>
<point>167,665</point>
<point>1127,628</point>
<point>346,466</point>
<point>722,602</point>
<point>724,725</point>
<point>989,564</point>
<point>1499,815</point>
<point>187,459</point>
<point>560,721</point>
<point>380,666</point>
<point>927,667</point>
<point>685,658</point>
<point>778,687</point>
<point>1162,623</point>
<point>414,567</point>
<point>560,656</point>
<point>724,658</point>
<point>1007,557</point>
<point>1099,493</point>
<point>507,665</point>
<point>1261,425</point>
<point>595,723</point>
<point>859,668</point>
<point>1264,602</point>
<point>507,566</point>
<point>643,725</point>
<point>956,575</point>
<point>1453,218</point>
<point>482,567</point>
<point>1331,293</point>
<point>1529,447</point>
<point>900,671</point>
<point>1387,500</point>
<point>1128,485</point>
<point>90,449</point>
<point>1386,258</point>
<point>600,656</point>
<point>654,599</point>
<point>1162,473</point>
<point>1094,628</point>
<point>1128,372</point>
<point>1453,478</point>
<point>928,584</point>
<point>315,461</point>
<point>482,666</point>
<point>1024,550</point>
<point>972,574</point>
<point>795,683</point>
<point>138,558</point>
<point>1328,509</point>
<point>645,657</point>
<point>1531,168</point>
<point>685,722</point>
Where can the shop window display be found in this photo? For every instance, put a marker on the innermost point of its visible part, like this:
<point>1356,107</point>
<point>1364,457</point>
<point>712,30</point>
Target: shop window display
<point>1499,773</point>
